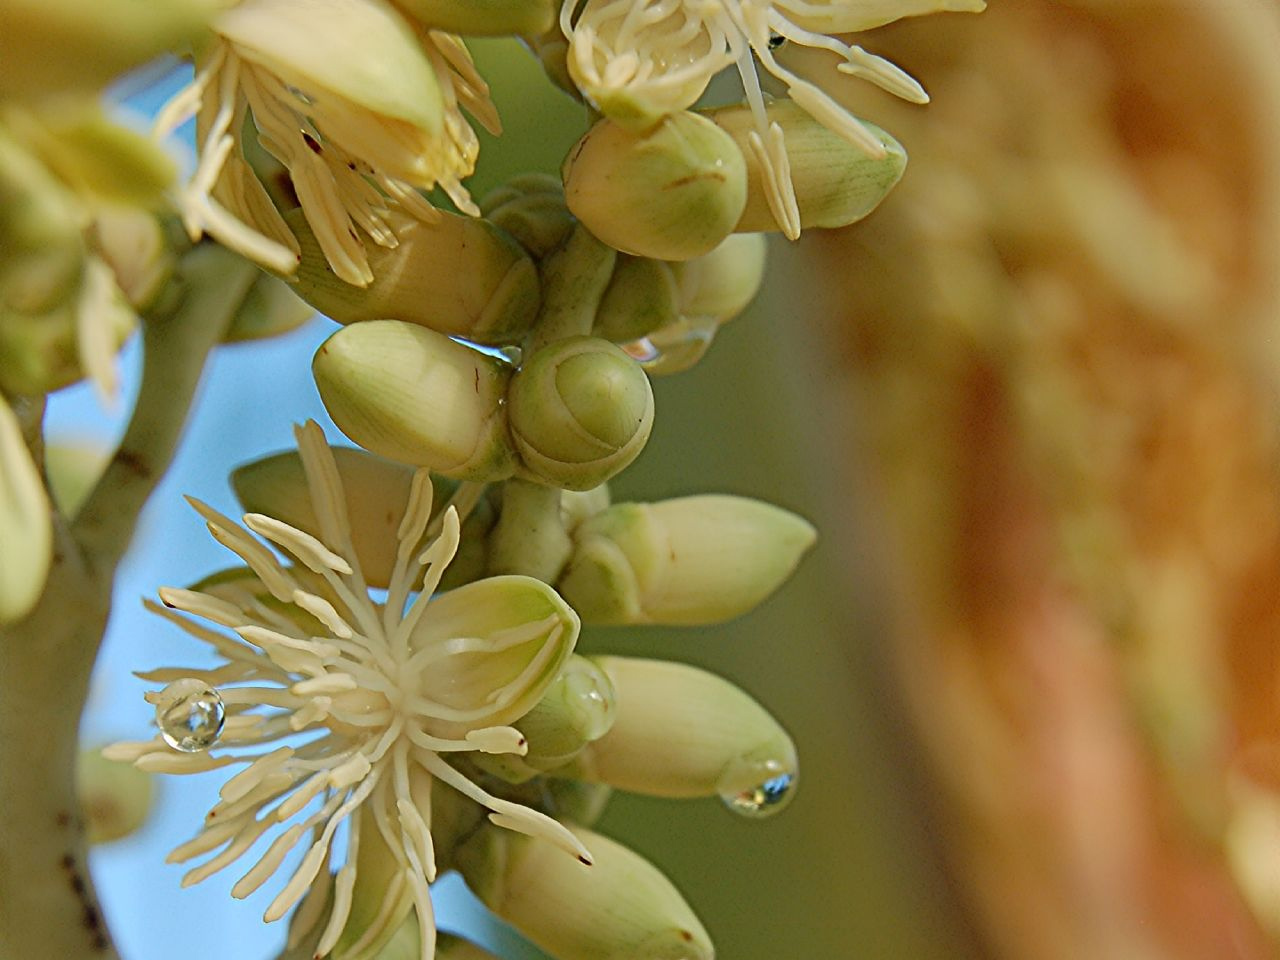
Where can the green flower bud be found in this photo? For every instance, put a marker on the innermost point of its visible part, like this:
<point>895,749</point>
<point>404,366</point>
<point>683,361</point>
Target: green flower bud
<point>416,396</point>
<point>684,732</point>
<point>133,244</point>
<point>720,284</point>
<point>671,192</point>
<point>483,18</point>
<point>531,208</point>
<point>115,797</point>
<point>581,411</point>
<point>702,559</point>
<point>269,308</point>
<point>620,908</point>
<point>836,182</point>
<point>461,276</point>
<point>642,296</point>
<point>56,46</point>
<point>25,527</point>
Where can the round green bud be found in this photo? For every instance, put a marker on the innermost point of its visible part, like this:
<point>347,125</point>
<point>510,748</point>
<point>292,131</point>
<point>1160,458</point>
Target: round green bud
<point>685,732</point>
<point>836,182</point>
<point>671,192</point>
<point>720,284</point>
<point>580,411</point>
<point>577,708</point>
<point>531,208</point>
<point>483,18</point>
<point>269,308</point>
<point>619,908</point>
<point>642,296</point>
<point>461,276</point>
<point>414,395</point>
<point>692,560</point>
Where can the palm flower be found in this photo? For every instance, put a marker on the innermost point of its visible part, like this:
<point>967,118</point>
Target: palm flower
<point>640,60</point>
<point>387,689</point>
<point>359,131</point>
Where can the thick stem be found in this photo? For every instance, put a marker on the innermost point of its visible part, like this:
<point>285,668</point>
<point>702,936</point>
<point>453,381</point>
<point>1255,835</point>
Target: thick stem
<point>47,903</point>
<point>574,279</point>
<point>529,537</point>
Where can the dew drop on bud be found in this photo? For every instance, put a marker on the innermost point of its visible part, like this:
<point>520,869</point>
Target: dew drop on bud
<point>763,800</point>
<point>190,715</point>
<point>674,348</point>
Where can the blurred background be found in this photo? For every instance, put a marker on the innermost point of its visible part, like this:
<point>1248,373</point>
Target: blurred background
<point>1031,405</point>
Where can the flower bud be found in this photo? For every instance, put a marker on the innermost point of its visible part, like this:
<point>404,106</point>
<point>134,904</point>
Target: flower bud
<point>836,183</point>
<point>720,284</point>
<point>25,527</point>
<point>483,18</point>
<point>416,396</point>
<point>115,797</point>
<point>692,560</point>
<point>530,208</point>
<point>269,308</point>
<point>684,732</point>
<point>581,411</point>
<point>133,244</point>
<point>56,46</point>
<point>620,908</point>
<point>577,708</point>
<point>642,296</point>
<point>671,192</point>
<point>461,276</point>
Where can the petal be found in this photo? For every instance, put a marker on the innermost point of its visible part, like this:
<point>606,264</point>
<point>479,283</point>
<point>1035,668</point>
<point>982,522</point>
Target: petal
<point>494,647</point>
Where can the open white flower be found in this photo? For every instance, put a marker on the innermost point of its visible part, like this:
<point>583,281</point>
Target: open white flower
<point>639,60</point>
<point>360,105</point>
<point>387,689</point>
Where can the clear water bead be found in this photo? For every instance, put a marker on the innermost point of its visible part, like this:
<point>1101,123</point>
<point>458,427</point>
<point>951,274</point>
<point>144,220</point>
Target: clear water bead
<point>763,800</point>
<point>190,715</point>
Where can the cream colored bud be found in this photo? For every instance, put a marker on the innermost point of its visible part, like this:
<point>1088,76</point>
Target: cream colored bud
<point>25,526</point>
<point>620,908</point>
<point>672,191</point>
<point>56,46</point>
<point>133,244</point>
<point>692,560</point>
<point>269,308</point>
<point>416,396</point>
<point>115,797</point>
<point>581,411</point>
<point>720,284</point>
<point>684,732</point>
<point>531,208</point>
<point>483,18</point>
<point>836,183</point>
<point>461,276</point>
<point>642,296</point>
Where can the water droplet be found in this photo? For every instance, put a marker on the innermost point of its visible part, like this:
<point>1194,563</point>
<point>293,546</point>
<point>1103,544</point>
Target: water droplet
<point>763,800</point>
<point>190,715</point>
<point>674,348</point>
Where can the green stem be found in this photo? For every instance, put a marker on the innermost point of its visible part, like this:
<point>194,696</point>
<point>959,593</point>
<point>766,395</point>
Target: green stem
<point>529,537</point>
<point>574,279</point>
<point>48,907</point>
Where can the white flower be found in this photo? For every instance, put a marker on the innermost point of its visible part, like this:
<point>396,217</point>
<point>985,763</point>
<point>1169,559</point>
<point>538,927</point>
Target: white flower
<point>386,690</point>
<point>360,106</point>
<point>638,60</point>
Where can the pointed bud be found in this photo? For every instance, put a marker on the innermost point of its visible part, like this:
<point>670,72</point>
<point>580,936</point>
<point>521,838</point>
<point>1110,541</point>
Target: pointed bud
<point>581,411</point>
<point>57,46</point>
<point>620,908</point>
<point>483,18</point>
<point>416,396</point>
<point>25,528</point>
<point>836,183</point>
<point>702,559</point>
<point>531,208</point>
<point>461,276</point>
<point>671,192</point>
<point>684,732</point>
<point>115,797</point>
